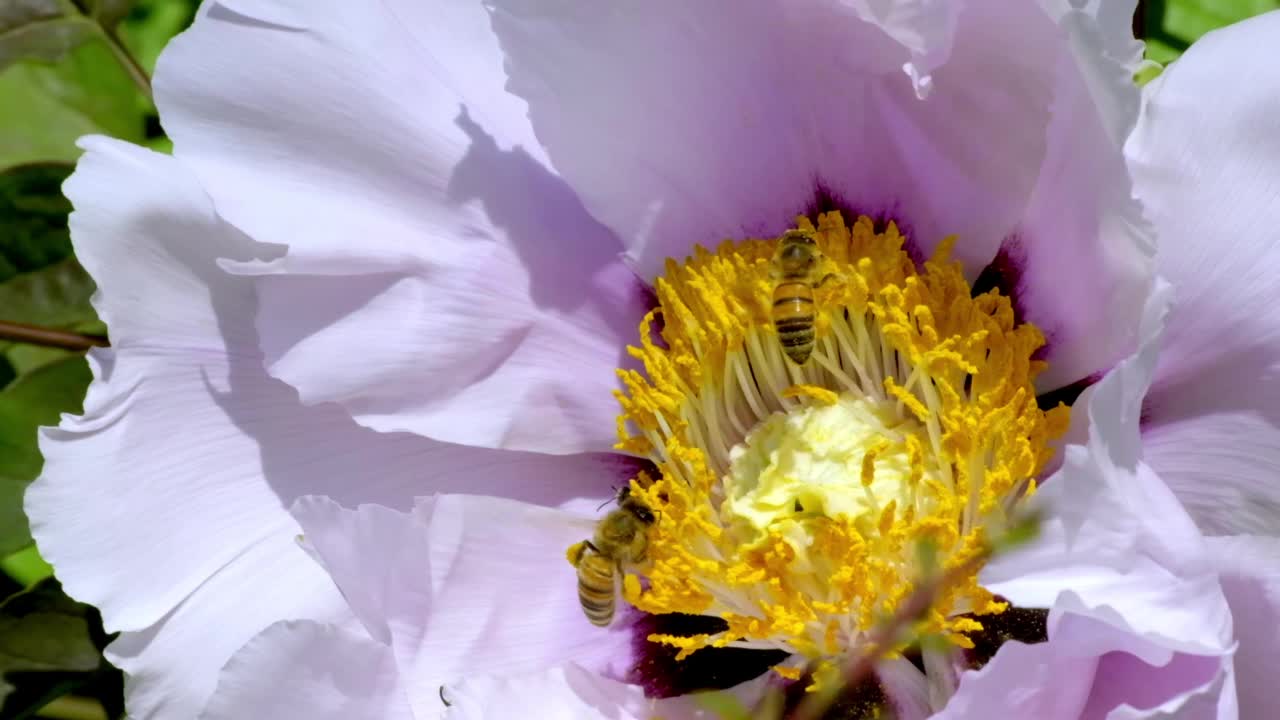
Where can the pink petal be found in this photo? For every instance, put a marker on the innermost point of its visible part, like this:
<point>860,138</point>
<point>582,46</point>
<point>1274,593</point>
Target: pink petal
<point>436,277</point>
<point>1046,681</point>
<point>1115,544</point>
<point>172,666</point>
<point>308,671</point>
<point>463,586</point>
<point>570,692</point>
<point>689,123</point>
<point>1084,250</point>
<point>1250,569</point>
<point>168,495</point>
<point>1088,670</point>
<point>1204,160</point>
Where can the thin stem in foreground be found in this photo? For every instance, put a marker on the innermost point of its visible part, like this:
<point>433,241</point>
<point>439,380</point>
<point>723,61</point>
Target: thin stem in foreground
<point>885,636</point>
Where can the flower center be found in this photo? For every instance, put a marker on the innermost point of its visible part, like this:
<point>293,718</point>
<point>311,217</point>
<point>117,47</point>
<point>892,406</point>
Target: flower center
<point>827,421</point>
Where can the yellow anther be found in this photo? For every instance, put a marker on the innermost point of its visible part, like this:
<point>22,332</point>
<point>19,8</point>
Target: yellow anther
<point>789,673</point>
<point>869,463</point>
<point>887,517</point>
<point>793,501</point>
<point>821,395</point>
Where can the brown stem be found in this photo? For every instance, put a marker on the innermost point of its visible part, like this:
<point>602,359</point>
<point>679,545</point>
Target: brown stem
<point>136,72</point>
<point>47,337</point>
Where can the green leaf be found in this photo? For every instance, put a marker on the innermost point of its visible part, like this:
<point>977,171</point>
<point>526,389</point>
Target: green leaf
<point>49,645</point>
<point>44,109</point>
<point>43,629</point>
<point>1149,70</point>
<point>1187,20</point>
<point>110,12</point>
<point>26,567</point>
<point>41,29</point>
<point>36,126</point>
<point>91,82</point>
<point>33,218</point>
<point>56,296</point>
<point>152,23</point>
<point>35,399</point>
<point>25,358</point>
<point>47,30</point>
<point>33,232</point>
<point>1172,25</point>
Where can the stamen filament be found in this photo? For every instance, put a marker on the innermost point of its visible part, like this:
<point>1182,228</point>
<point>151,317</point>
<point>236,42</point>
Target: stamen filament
<point>794,497</point>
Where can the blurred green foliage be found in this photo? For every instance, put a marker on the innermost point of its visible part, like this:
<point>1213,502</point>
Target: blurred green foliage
<point>1172,25</point>
<point>69,68</point>
<point>35,398</point>
<point>50,646</point>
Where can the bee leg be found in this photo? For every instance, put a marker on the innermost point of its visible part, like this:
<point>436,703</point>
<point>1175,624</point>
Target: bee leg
<point>583,547</point>
<point>825,278</point>
<point>443,699</point>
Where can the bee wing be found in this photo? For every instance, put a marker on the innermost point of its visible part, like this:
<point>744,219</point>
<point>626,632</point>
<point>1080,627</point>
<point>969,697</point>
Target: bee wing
<point>586,524</point>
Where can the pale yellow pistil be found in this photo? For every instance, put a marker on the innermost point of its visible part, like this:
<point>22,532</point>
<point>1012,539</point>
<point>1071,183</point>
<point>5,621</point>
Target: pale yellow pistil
<point>793,501</point>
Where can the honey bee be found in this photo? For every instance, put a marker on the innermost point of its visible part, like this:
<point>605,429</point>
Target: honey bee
<point>620,539</point>
<point>794,270</point>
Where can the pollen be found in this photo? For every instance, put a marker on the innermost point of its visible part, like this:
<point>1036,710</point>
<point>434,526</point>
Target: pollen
<point>796,501</point>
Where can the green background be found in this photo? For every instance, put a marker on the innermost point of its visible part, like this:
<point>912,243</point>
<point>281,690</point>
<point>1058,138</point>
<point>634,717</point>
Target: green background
<point>74,67</point>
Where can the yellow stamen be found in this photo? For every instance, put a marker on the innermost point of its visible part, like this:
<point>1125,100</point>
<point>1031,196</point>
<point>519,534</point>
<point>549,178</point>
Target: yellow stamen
<point>820,395</point>
<point>789,673</point>
<point>793,501</point>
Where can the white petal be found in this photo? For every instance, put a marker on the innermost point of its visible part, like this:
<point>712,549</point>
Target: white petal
<point>1087,669</point>
<point>172,441</point>
<point>187,456</point>
<point>172,666</point>
<point>1133,586</point>
<point>1224,466</point>
<point>1115,543</point>
<point>1187,687</point>
<point>1250,569</point>
<point>1083,253</point>
<point>923,27</point>
<point>1204,157</point>
<point>438,278</point>
<point>310,671</point>
<point>1046,681</point>
<point>1128,555</point>
<point>677,127</point>
<point>561,693</point>
<point>688,123</point>
<point>570,692</point>
<point>464,586</point>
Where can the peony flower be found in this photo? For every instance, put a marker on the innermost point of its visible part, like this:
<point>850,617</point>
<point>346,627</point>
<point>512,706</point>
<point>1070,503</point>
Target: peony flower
<point>363,391</point>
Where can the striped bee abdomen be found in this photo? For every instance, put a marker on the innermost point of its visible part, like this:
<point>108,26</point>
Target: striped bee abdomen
<point>793,318</point>
<point>596,588</point>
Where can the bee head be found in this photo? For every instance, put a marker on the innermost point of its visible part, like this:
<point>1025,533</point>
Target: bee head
<point>642,513</point>
<point>796,250</point>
